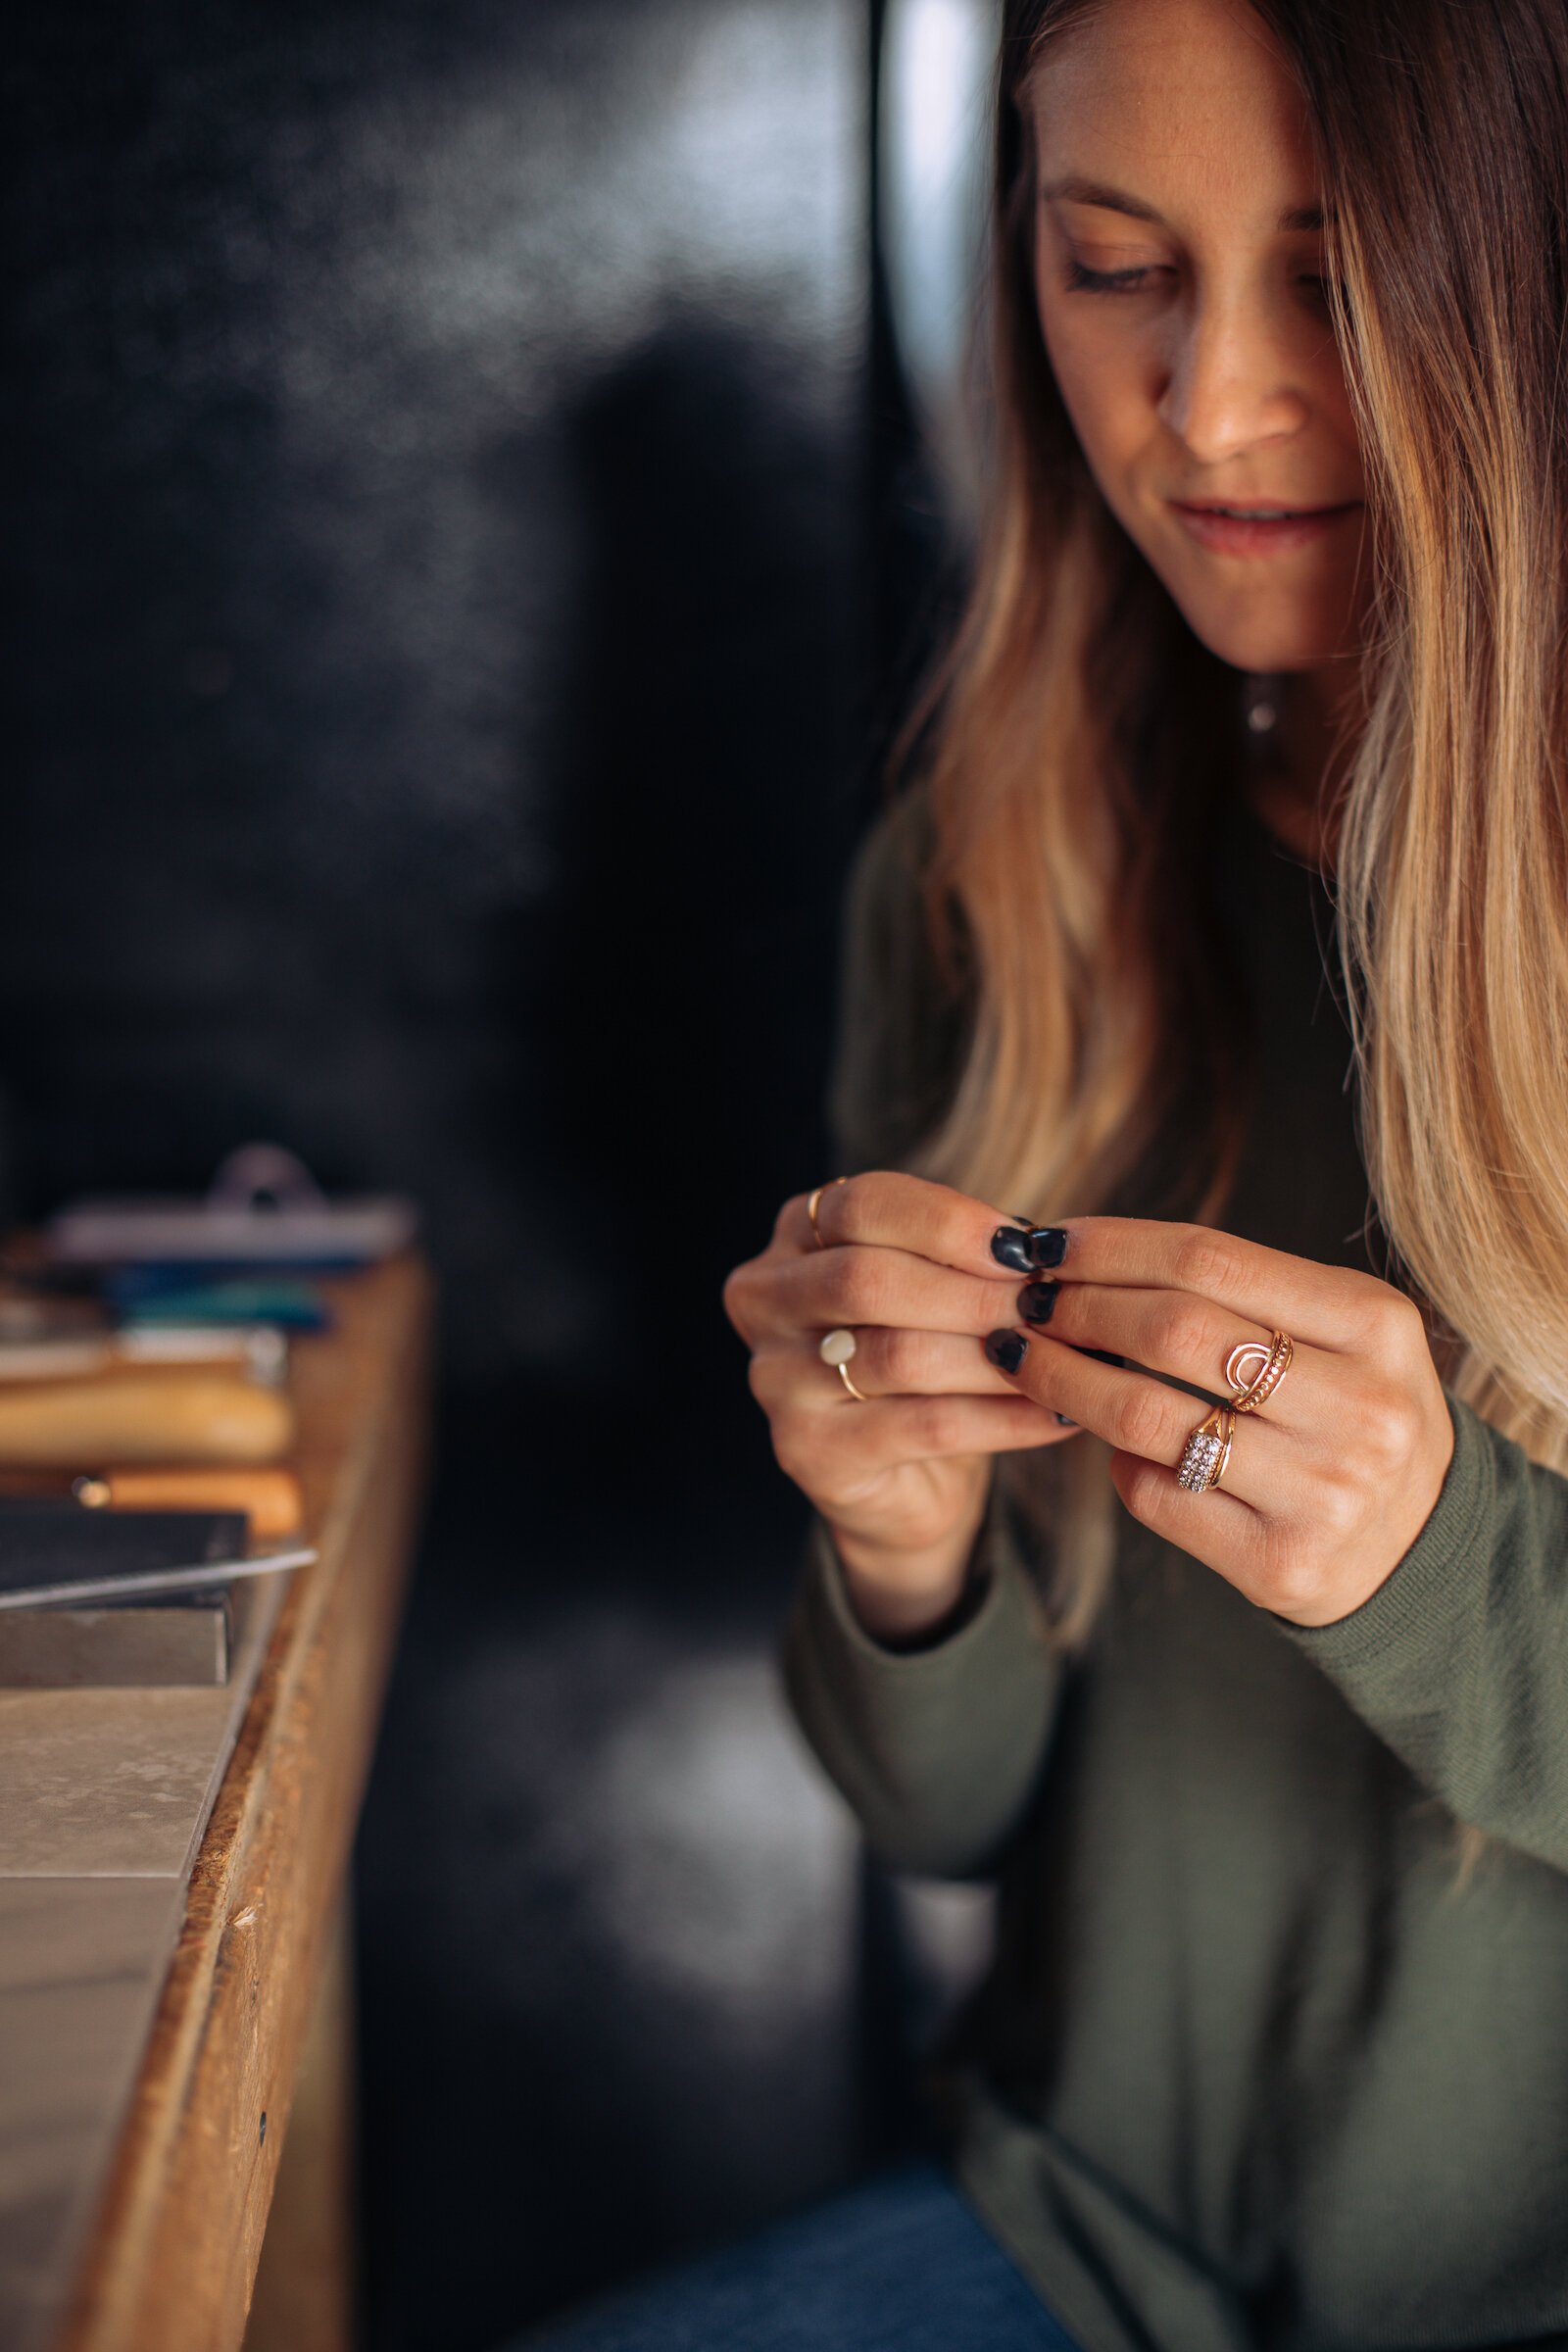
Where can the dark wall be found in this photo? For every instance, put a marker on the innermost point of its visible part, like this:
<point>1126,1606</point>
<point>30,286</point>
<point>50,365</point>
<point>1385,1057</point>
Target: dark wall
<point>431,432</point>
<point>435,587</point>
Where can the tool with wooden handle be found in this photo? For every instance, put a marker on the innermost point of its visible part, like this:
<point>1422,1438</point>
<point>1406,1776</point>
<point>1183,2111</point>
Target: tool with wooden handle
<point>128,1419</point>
<point>270,1498</point>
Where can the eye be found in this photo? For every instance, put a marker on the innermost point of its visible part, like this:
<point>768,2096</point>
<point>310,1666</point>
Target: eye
<point>1080,281</point>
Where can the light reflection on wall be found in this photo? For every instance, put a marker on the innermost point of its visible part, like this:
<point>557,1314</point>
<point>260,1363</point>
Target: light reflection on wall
<point>934,99</point>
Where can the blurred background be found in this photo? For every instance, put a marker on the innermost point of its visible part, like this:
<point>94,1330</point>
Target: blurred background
<point>481,481</point>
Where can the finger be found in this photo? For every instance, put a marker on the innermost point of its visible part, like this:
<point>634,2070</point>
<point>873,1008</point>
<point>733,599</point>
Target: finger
<point>858,1284</point>
<point>893,1430</point>
<point>897,1361</point>
<point>1180,1334</point>
<point>1333,1307</point>
<point>1140,1415</point>
<point>887,1208</point>
<point>1215,1527</point>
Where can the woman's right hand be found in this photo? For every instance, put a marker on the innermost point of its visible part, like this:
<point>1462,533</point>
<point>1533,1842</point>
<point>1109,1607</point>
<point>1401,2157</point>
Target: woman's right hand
<point>920,1273</point>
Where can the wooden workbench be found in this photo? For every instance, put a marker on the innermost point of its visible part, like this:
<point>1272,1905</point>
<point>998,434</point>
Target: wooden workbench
<point>171,1864</point>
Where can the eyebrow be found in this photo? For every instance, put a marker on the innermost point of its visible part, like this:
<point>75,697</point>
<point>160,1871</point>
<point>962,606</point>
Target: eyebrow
<point>1115,200</point>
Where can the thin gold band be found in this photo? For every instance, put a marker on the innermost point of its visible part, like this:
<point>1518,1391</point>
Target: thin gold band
<point>836,1348</point>
<point>811,1209</point>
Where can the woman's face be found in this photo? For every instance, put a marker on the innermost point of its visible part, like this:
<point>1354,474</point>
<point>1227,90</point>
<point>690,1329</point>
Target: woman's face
<point>1178,268</point>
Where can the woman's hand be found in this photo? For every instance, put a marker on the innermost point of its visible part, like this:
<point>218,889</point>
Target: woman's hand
<point>918,1272</point>
<point>1329,1483</point>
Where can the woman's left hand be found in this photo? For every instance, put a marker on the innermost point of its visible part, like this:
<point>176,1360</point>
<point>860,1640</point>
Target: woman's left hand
<point>1329,1482</point>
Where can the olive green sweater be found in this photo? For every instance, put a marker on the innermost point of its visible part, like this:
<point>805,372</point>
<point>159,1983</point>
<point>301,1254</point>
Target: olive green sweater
<point>1246,2070</point>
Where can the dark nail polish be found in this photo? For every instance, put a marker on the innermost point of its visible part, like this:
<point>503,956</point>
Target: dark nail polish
<point>1047,1245</point>
<point>1065,1421</point>
<point>1037,1301</point>
<point>1006,1350</point>
<point>1010,1247</point>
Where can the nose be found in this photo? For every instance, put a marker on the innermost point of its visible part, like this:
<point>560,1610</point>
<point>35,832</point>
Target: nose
<point>1229,385</point>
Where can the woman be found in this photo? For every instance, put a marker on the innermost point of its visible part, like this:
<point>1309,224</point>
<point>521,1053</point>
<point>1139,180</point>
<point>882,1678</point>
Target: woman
<point>1189,1550</point>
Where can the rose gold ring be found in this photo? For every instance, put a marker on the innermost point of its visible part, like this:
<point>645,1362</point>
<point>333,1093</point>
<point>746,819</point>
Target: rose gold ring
<point>1208,1452</point>
<point>1254,1388</point>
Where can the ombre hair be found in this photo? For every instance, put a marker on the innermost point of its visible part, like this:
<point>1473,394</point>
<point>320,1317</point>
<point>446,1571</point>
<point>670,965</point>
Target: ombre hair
<point>1073,720</point>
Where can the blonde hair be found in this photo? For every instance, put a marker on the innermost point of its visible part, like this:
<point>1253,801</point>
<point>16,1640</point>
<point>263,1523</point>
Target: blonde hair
<point>1073,716</point>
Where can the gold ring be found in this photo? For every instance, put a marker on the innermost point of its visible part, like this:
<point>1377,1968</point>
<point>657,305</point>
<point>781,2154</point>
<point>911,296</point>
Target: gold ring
<point>1273,1362</point>
<point>836,1348</point>
<point>811,1206</point>
<point>1208,1452</point>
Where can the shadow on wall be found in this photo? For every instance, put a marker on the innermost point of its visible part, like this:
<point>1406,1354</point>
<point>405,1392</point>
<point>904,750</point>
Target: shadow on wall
<point>608,1908</point>
<point>678,979</point>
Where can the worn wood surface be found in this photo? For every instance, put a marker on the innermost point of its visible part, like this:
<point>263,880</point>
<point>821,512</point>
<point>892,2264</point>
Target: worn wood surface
<point>306,2297</point>
<point>173,2255</point>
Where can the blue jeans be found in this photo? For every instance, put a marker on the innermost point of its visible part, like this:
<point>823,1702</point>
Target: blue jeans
<point>901,2264</point>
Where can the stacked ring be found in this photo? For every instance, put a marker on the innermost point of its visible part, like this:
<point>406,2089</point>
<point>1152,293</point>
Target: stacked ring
<point>1208,1452</point>
<point>1273,1362</point>
<point>836,1348</point>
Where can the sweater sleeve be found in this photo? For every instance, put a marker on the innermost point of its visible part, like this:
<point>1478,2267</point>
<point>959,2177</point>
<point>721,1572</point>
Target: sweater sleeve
<point>935,1747</point>
<point>936,1750</point>
<point>1460,1659</point>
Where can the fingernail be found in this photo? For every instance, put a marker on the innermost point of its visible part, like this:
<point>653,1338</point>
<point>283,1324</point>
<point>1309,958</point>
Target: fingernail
<point>1047,1245</point>
<point>1063,1422</point>
<point>1037,1301</point>
<point>1010,1247</point>
<point>1006,1350</point>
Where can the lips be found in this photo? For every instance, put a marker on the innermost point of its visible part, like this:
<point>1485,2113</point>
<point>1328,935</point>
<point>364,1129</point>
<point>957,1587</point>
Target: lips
<point>1255,528</point>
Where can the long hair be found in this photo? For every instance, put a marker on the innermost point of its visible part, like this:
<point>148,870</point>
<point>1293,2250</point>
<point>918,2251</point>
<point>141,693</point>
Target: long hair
<point>1073,716</point>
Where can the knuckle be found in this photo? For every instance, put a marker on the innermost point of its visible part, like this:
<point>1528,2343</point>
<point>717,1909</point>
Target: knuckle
<point>788,1449</point>
<point>1337,1507</point>
<point>859,1285</point>
<point>1180,1330</point>
<point>1206,1261</point>
<point>1138,1484</point>
<point>736,1285</point>
<point>854,1206</point>
<point>1286,1575</point>
<point>1140,1421</point>
<point>900,1358</point>
<point>772,1376</point>
<point>789,1213</point>
<point>1383,1426</point>
<point>934,1425</point>
<point>1402,1329</point>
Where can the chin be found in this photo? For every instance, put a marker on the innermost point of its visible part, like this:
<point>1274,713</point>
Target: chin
<point>1258,642</point>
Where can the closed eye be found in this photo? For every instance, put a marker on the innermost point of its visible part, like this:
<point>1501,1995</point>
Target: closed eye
<point>1106,281</point>
<point>1083,281</point>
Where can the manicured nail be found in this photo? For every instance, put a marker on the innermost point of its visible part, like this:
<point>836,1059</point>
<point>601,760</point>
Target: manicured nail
<point>1047,1245</point>
<point>1037,1301</point>
<point>1010,1247</point>
<point>1006,1350</point>
<point>1063,1422</point>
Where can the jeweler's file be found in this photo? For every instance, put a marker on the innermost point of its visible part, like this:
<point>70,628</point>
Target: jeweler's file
<point>156,1580</point>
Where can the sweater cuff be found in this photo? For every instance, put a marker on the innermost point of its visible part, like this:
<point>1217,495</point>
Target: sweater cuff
<point>1419,1606</point>
<point>998,1592</point>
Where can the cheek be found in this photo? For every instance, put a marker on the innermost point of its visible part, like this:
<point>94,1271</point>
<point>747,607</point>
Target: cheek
<point>1100,383</point>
